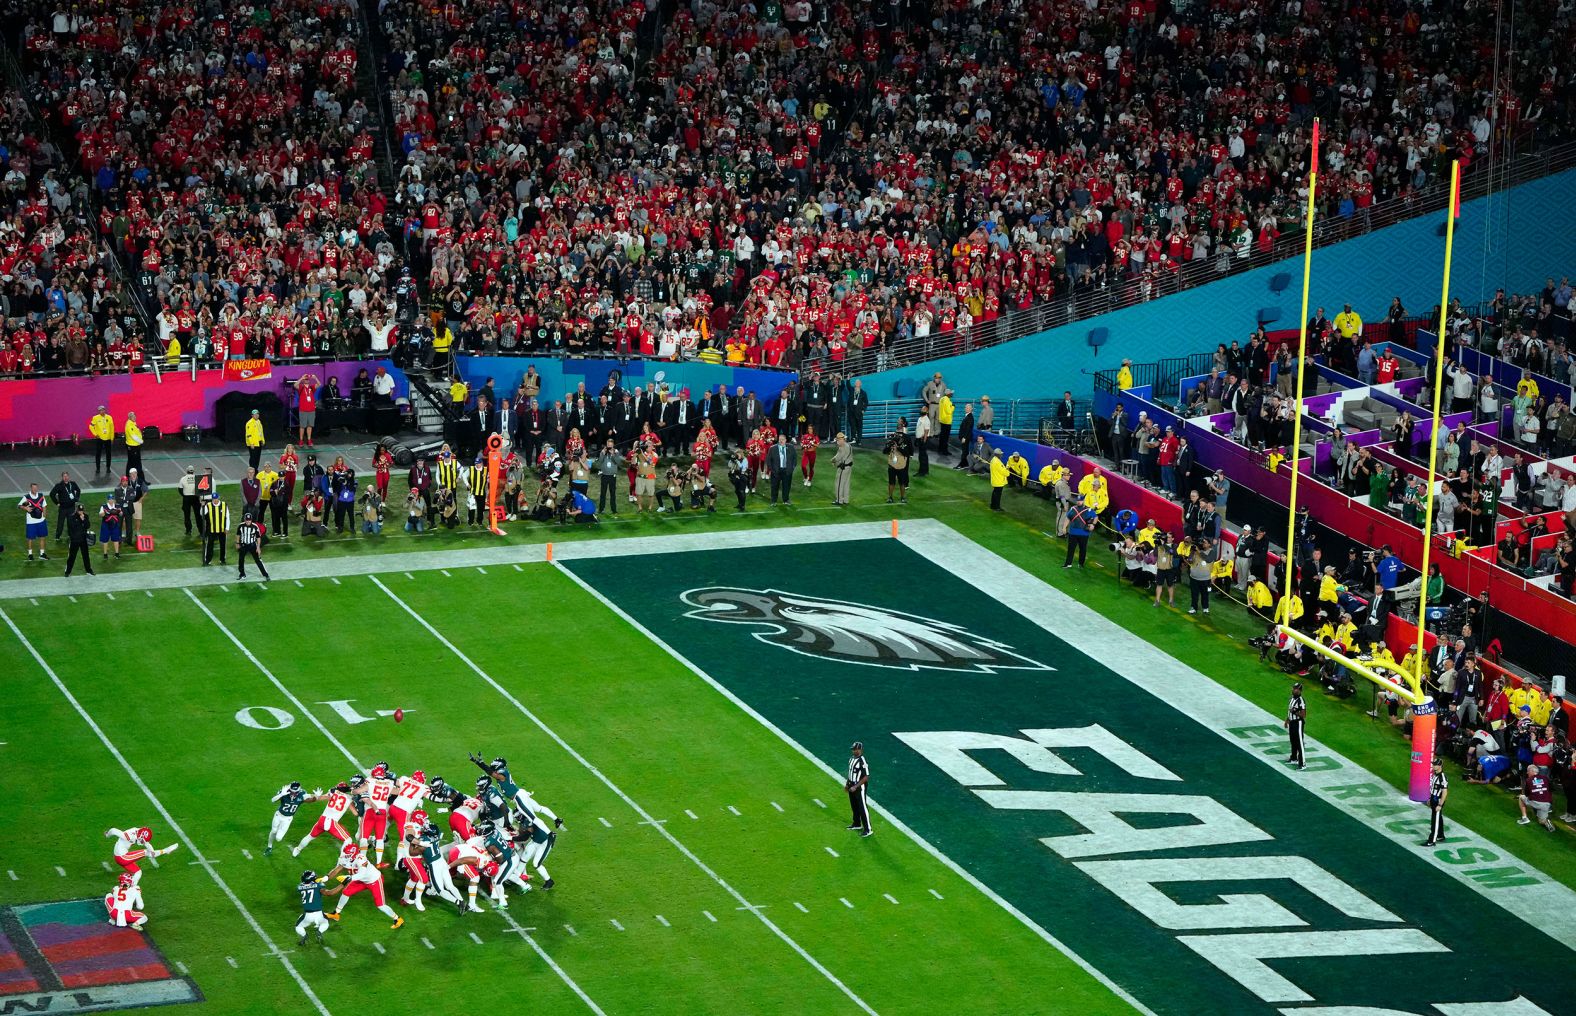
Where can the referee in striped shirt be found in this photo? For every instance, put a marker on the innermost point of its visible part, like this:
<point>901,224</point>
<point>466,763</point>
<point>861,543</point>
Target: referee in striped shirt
<point>1438,790</point>
<point>858,780</point>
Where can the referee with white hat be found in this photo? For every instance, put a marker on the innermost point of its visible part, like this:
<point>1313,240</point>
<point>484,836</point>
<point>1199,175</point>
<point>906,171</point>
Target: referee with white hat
<point>858,780</point>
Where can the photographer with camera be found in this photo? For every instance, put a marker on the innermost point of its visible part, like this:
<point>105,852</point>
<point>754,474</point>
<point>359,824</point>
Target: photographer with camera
<point>898,449</point>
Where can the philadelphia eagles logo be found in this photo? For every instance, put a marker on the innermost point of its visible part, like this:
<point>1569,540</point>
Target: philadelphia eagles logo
<point>855,632</point>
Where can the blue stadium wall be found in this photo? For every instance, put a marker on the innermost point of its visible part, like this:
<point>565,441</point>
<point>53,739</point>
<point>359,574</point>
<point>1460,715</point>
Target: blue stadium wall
<point>1514,240</point>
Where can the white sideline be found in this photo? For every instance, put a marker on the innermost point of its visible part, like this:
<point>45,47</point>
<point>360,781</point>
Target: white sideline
<point>631,802</point>
<point>892,820</point>
<point>508,919</point>
<point>168,819</point>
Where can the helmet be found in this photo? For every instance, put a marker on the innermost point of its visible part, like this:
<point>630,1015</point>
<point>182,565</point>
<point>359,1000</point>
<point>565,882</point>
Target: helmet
<point>500,763</point>
<point>127,878</point>
<point>342,785</point>
<point>357,781</point>
<point>431,830</point>
<point>420,776</point>
<point>144,834</point>
<point>437,782</point>
<point>308,876</point>
<point>482,783</point>
<point>350,852</point>
<point>295,785</point>
<point>485,828</point>
<point>380,770</point>
<point>419,816</point>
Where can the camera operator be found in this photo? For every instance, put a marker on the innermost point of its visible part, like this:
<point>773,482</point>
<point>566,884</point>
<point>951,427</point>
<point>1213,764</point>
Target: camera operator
<point>898,449</point>
<point>700,487</point>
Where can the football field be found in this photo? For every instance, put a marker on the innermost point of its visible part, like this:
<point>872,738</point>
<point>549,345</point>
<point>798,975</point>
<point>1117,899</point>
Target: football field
<point>1068,819</point>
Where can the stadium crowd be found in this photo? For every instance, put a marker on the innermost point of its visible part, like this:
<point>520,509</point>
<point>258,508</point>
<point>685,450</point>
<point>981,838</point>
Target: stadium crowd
<point>778,184</point>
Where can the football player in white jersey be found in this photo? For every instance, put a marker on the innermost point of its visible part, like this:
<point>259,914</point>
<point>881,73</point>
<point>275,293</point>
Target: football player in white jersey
<point>132,845</point>
<point>364,877</point>
<point>337,802</point>
<point>124,903</point>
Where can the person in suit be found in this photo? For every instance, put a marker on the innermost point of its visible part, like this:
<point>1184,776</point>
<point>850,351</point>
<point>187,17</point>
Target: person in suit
<point>706,408</point>
<point>508,424</point>
<point>533,430</point>
<point>779,466</point>
<point>858,402</point>
<point>722,418</point>
<point>626,423</point>
<point>601,422</point>
<point>1066,416</point>
<point>966,436</point>
<point>1373,621</point>
<point>785,415</point>
<point>579,416</point>
<point>557,425</point>
<point>748,414</point>
<point>667,429</point>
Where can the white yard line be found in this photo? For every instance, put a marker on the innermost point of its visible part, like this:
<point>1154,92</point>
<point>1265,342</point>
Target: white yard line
<point>631,802</point>
<point>865,531</point>
<point>164,814</point>
<point>1545,904</point>
<point>513,926</point>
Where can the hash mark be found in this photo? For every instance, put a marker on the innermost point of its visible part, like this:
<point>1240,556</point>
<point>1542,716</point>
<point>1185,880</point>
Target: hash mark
<point>844,901</point>
<point>60,871</point>
<point>182,968</point>
<point>829,850</point>
<point>445,573</point>
<point>379,947</point>
<point>709,917</point>
<point>604,821</point>
<point>518,568</point>
<point>476,938</point>
<point>818,801</point>
<point>33,600</point>
<point>890,898</point>
<point>481,570</point>
<point>410,576</point>
<point>14,877</point>
<point>110,595</point>
<point>655,822</point>
<point>246,854</point>
<point>571,930</point>
<point>663,921</point>
<point>189,863</point>
<point>73,599</point>
<point>777,806</point>
<point>614,922</point>
<point>801,907</point>
<point>299,585</point>
<point>105,864</point>
<point>231,960</point>
<point>734,810</point>
<point>427,942</point>
<point>149,592</point>
<point>223,589</point>
<point>691,814</point>
<point>331,954</point>
<point>937,895</point>
<point>336,582</point>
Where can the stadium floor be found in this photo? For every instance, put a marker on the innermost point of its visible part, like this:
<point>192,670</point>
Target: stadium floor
<point>656,911</point>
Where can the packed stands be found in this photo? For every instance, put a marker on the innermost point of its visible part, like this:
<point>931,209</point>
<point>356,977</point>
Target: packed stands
<point>782,184</point>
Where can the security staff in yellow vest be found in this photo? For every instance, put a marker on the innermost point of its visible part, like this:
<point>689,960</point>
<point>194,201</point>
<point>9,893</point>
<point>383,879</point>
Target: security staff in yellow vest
<point>102,427</point>
<point>944,410</point>
<point>442,343</point>
<point>998,479</point>
<point>1017,470</point>
<point>134,447</point>
<point>254,439</point>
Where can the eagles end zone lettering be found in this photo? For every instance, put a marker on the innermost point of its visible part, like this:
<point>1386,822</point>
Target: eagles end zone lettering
<point>1129,819</point>
<point>1137,883</point>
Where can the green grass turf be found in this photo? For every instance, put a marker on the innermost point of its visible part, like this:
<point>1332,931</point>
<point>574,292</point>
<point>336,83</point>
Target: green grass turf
<point>193,753</point>
<point>636,714</point>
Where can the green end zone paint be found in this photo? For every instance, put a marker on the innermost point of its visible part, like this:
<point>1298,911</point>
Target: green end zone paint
<point>1131,807</point>
<point>65,958</point>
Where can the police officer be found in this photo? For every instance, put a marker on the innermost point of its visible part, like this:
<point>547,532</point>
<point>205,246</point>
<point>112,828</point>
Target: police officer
<point>1296,716</point>
<point>858,780</point>
<point>1438,790</point>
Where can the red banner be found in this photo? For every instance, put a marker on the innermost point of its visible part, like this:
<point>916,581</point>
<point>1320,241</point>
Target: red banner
<point>247,370</point>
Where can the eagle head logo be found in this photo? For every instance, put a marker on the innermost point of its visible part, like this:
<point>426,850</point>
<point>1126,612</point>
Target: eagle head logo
<point>855,632</point>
